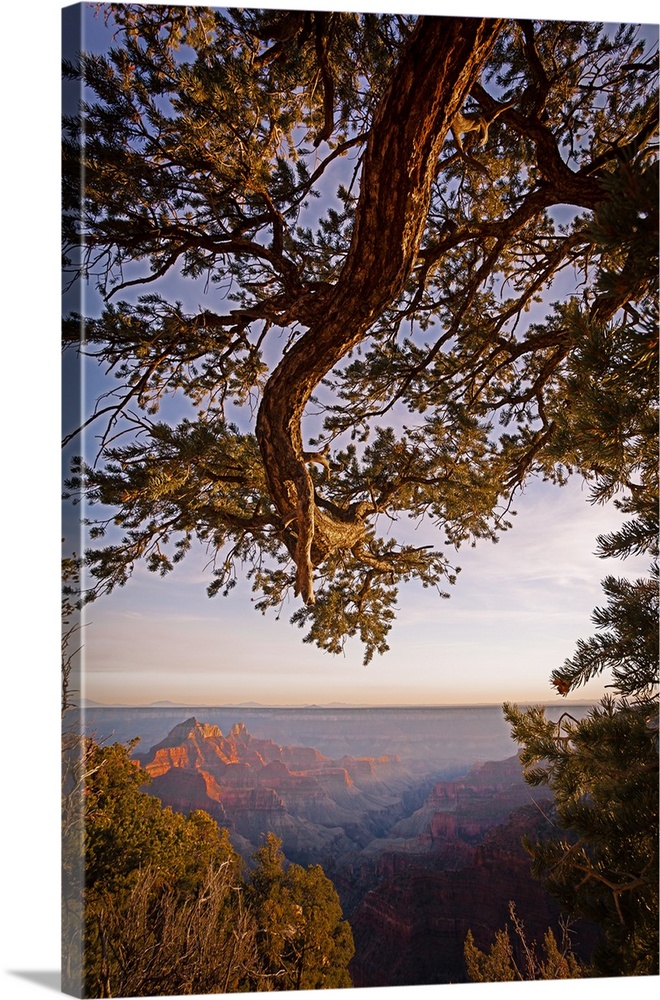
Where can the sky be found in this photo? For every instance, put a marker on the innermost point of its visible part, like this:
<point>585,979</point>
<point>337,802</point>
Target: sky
<point>31,401</point>
<point>515,613</point>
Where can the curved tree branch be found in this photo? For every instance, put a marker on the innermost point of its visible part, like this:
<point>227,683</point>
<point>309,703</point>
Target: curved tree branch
<point>440,64</point>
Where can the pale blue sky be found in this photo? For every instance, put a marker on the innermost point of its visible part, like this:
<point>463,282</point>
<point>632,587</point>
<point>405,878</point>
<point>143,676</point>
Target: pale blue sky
<point>515,614</point>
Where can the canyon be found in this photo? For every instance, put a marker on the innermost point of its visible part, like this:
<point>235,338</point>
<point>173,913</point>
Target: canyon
<point>418,858</point>
<point>320,807</point>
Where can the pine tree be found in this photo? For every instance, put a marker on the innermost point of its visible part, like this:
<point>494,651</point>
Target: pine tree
<point>404,310</point>
<point>603,772</point>
<point>306,944</point>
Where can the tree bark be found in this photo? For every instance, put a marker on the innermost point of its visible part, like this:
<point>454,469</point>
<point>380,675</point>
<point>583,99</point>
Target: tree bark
<point>434,75</point>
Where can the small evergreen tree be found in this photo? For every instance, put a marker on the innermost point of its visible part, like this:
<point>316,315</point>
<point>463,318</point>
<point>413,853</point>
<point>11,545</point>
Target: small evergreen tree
<point>603,772</point>
<point>503,963</point>
<point>144,869</point>
<point>306,943</point>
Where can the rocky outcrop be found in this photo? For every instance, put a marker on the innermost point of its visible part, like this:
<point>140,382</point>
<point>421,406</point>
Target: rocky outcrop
<point>454,865</point>
<point>411,928</point>
<point>466,808</point>
<point>319,807</point>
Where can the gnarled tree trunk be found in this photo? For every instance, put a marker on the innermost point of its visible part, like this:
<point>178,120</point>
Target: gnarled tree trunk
<point>437,68</point>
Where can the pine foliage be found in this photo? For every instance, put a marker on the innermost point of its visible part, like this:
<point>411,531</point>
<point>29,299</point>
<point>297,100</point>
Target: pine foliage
<point>603,770</point>
<point>230,157</point>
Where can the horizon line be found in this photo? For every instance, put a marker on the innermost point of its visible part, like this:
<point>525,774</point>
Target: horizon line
<point>91,703</point>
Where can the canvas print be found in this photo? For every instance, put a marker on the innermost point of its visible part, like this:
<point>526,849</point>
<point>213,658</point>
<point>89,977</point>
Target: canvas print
<point>359,655</point>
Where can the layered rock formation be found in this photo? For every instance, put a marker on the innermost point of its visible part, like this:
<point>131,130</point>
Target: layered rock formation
<point>462,810</point>
<point>321,808</point>
<point>454,865</point>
